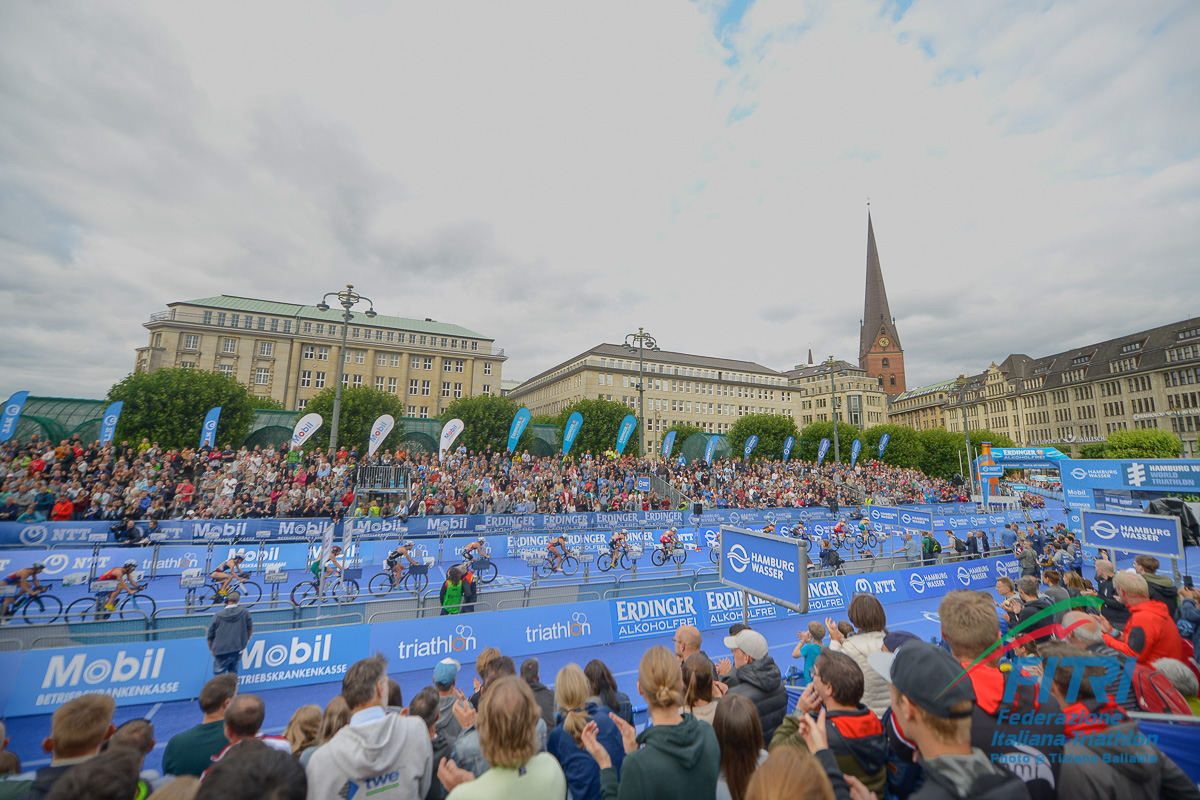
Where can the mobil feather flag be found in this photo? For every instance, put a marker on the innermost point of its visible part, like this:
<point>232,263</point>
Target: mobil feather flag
<point>305,427</point>
<point>450,432</point>
<point>379,431</point>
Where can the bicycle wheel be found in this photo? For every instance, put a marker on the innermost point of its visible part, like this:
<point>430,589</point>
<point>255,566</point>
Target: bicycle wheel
<point>546,569</point>
<point>415,583</point>
<point>135,605</point>
<point>570,565</point>
<point>605,562</point>
<point>305,594</point>
<point>346,591</point>
<point>486,574</point>
<point>659,557</point>
<point>872,541</point>
<point>82,610</point>
<point>207,596</point>
<point>42,609</point>
<point>808,543</point>
<point>626,561</point>
<point>382,583</point>
<point>251,593</point>
<point>714,555</point>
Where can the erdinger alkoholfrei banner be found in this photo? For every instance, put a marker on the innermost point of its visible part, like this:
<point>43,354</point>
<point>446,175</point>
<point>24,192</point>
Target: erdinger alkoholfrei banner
<point>668,444</point>
<point>788,443</point>
<point>12,413</point>
<point>208,431</point>
<point>854,451</point>
<point>305,428</point>
<point>625,431</point>
<point>108,424</point>
<point>751,443</point>
<point>883,442</point>
<point>379,431</point>
<point>574,423</point>
<point>710,449</point>
<point>517,428</point>
<point>822,450</point>
<point>450,432</point>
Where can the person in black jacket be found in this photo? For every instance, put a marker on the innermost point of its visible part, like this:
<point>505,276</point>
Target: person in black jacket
<point>1113,609</point>
<point>1029,604</point>
<point>758,678</point>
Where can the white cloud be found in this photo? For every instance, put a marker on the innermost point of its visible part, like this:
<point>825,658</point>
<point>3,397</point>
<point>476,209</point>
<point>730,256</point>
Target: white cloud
<point>555,175</point>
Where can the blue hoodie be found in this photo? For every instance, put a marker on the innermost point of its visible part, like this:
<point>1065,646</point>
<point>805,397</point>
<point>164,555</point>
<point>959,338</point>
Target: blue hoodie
<point>581,770</point>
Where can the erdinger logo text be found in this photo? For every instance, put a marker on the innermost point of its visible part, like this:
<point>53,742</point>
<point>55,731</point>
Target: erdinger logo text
<point>576,626</point>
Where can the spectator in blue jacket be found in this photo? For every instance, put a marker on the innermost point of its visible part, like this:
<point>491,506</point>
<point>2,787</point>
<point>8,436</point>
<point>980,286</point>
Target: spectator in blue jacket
<point>575,711</point>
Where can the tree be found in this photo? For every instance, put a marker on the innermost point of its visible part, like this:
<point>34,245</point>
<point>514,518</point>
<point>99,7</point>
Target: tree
<point>682,432</point>
<point>1094,450</point>
<point>809,440</point>
<point>1151,443</point>
<point>486,422</point>
<point>978,437</point>
<point>168,406</point>
<point>941,451</point>
<point>361,406</point>
<point>267,403</point>
<point>771,429</point>
<point>903,450</point>
<point>601,423</point>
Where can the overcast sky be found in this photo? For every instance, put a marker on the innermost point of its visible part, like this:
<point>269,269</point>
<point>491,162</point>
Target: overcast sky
<point>554,175</point>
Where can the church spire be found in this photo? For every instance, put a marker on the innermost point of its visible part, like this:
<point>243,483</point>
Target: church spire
<point>879,350</point>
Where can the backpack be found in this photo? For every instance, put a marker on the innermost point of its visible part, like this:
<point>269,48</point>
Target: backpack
<point>1156,694</point>
<point>937,546</point>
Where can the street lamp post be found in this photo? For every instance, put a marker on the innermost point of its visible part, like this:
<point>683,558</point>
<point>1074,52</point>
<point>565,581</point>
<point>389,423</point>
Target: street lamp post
<point>638,343</point>
<point>347,298</point>
<point>830,363</point>
<point>961,383</point>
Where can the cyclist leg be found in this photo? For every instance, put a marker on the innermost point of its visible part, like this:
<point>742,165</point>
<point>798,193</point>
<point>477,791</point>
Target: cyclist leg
<point>224,577</point>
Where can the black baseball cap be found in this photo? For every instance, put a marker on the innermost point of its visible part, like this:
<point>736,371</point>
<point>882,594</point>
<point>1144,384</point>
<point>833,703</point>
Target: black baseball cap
<point>927,675</point>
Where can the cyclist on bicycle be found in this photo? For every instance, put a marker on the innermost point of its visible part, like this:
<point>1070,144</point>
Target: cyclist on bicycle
<point>669,540</point>
<point>331,564</point>
<point>394,562</point>
<point>229,569</point>
<point>21,579</point>
<point>123,575</point>
<point>769,527</point>
<point>617,542</point>
<point>476,549</point>
<point>552,549</point>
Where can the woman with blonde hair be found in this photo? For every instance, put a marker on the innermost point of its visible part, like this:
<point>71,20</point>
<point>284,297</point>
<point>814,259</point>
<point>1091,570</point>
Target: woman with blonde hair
<point>336,717</point>
<point>301,731</point>
<point>678,759</point>
<point>575,711</point>
<point>789,774</point>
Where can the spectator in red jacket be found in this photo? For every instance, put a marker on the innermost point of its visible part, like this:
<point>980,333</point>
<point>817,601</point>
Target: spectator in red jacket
<point>63,509</point>
<point>1150,634</point>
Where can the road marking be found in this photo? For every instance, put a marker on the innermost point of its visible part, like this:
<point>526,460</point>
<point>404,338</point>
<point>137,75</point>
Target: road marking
<point>153,710</point>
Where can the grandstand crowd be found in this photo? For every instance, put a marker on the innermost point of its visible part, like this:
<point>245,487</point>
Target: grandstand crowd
<point>880,713</point>
<point>75,481</point>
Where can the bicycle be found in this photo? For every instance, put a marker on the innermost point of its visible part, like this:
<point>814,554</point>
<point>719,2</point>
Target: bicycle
<point>338,588</point>
<point>484,570</point>
<point>137,605</point>
<point>414,579</point>
<point>208,594</point>
<point>866,540</point>
<point>624,558</point>
<point>661,556</point>
<point>568,564</point>
<point>33,606</point>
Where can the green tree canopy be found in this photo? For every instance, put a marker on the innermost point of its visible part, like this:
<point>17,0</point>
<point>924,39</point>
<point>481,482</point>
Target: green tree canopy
<point>486,421</point>
<point>941,451</point>
<point>771,429</point>
<point>361,406</point>
<point>168,406</point>
<point>809,440</point>
<point>904,446</point>
<point>269,403</point>
<point>601,422</point>
<point>1151,443</point>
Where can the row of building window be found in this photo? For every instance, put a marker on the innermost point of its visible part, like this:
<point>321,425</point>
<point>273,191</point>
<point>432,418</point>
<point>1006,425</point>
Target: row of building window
<point>691,372</point>
<point>282,325</point>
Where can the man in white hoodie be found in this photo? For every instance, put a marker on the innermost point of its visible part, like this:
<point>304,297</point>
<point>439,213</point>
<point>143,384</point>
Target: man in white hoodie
<point>382,755</point>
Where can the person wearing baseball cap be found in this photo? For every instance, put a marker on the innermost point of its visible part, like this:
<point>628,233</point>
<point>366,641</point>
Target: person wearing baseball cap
<point>758,678</point>
<point>933,708</point>
<point>444,675</point>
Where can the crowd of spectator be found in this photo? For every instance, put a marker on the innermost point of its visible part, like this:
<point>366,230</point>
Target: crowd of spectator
<point>882,713</point>
<point>145,482</point>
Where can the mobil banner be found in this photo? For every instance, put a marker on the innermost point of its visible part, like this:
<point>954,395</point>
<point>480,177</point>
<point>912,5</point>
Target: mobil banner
<point>723,607</point>
<point>652,617</point>
<point>133,673</point>
<point>295,658</point>
<point>419,644</point>
<point>528,631</point>
<point>668,444</point>
<point>379,431</point>
<point>887,586</point>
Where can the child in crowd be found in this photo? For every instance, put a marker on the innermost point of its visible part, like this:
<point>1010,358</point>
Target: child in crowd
<point>809,647</point>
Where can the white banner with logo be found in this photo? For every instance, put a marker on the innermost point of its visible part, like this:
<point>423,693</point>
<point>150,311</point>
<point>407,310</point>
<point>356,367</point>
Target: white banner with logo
<point>450,432</point>
<point>379,431</point>
<point>305,428</point>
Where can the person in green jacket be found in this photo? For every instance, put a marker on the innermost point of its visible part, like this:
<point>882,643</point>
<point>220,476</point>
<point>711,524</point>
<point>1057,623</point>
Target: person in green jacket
<point>452,592</point>
<point>678,759</point>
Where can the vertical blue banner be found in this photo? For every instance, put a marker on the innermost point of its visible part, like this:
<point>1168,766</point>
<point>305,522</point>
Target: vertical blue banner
<point>788,443</point>
<point>208,431</point>
<point>854,452</point>
<point>751,443</point>
<point>627,426</point>
<point>517,428</point>
<point>883,443</point>
<point>710,448</point>
<point>12,413</point>
<point>668,444</point>
<point>108,426</point>
<point>822,450</point>
<point>574,423</point>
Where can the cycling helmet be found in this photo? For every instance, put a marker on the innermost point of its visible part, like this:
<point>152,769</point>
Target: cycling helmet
<point>239,557</point>
<point>482,540</point>
<point>408,543</point>
<point>39,565</point>
<point>130,563</point>
<point>337,549</point>
<point>624,532</point>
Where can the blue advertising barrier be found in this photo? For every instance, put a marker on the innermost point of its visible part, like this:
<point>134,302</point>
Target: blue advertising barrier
<point>763,564</point>
<point>529,631</point>
<point>421,643</point>
<point>296,658</point>
<point>1150,535</point>
<point>655,616</point>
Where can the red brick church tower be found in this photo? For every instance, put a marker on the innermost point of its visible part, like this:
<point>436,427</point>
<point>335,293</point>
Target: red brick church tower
<point>879,350</point>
